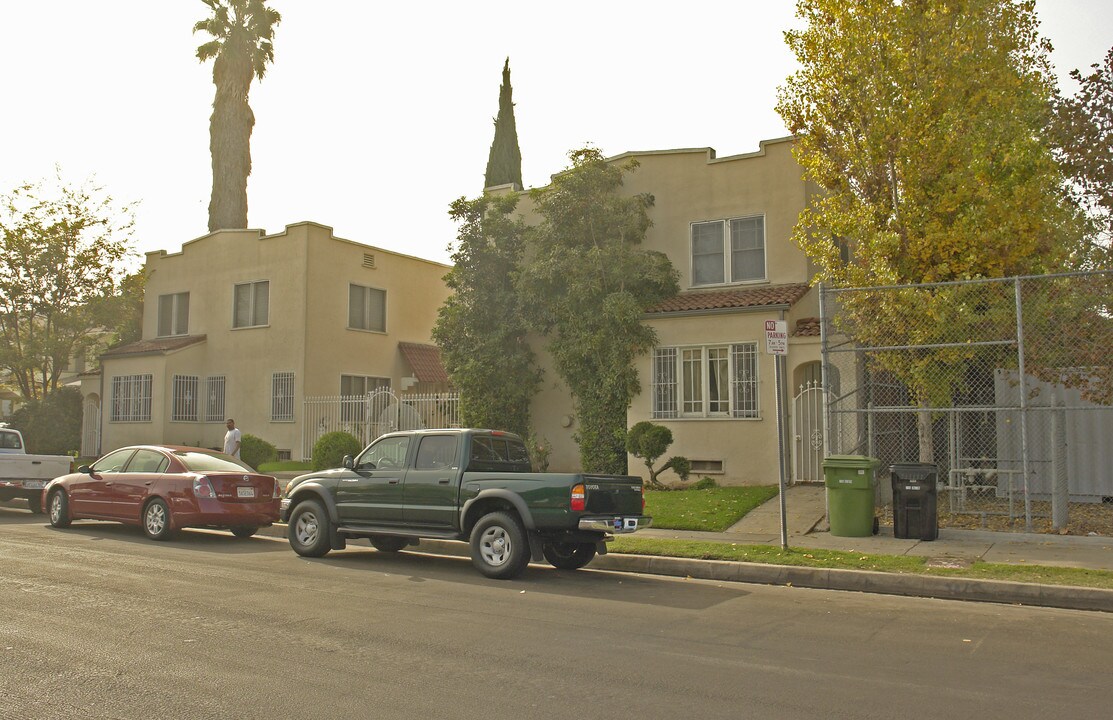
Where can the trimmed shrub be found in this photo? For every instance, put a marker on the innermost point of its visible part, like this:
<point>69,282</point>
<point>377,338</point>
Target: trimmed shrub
<point>256,451</point>
<point>704,483</point>
<point>330,449</point>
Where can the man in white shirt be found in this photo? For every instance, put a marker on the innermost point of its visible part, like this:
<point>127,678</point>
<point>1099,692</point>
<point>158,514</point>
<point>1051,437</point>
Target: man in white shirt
<point>232,439</point>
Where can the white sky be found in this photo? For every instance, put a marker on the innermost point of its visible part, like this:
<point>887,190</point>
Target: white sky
<point>375,116</point>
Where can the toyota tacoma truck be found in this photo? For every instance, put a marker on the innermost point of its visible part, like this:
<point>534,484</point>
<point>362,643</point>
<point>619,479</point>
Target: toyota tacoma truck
<point>470,485</point>
<point>23,475</point>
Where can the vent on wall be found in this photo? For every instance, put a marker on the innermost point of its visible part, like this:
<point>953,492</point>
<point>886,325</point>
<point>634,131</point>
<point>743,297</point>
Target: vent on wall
<point>283,455</point>
<point>368,260</point>
<point>707,466</point>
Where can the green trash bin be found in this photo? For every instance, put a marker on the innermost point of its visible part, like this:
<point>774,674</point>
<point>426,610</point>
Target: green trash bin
<point>850,481</point>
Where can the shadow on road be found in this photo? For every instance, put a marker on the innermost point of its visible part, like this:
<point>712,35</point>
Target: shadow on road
<point>586,583</point>
<point>190,540</point>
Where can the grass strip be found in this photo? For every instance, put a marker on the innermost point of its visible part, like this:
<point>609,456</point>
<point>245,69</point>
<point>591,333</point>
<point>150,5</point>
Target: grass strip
<point>285,466</point>
<point>774,555</point>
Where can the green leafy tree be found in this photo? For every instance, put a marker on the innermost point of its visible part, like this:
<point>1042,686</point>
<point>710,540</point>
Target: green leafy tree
<point>648,442</point>
<point>62,255</point>
<point>51,425</point>
<point>242,45</point>
<point>504,164</point>
<point>480,329</point>
<point>923,122</point>
<point>1082,130</point>
<point>121,314</point>
<point>585,284</point>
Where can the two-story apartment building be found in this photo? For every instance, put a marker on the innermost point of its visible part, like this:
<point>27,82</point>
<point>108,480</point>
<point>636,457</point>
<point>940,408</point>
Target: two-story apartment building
<point>726,225</point>
<point>246,325</point>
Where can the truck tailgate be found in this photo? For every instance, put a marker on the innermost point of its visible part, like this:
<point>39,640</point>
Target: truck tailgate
<point>613,494</point>
<point>33,467</point>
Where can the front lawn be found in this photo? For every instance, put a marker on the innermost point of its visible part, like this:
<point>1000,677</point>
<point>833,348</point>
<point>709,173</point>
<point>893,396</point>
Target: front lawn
<point>712,510</point>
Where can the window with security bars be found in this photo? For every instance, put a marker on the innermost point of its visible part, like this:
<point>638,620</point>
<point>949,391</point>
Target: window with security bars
<point>706,381</point>
<point>664,383</point>
<point>366,308</point>
<point>214,398</point>
<point>131,398</point>
<point>728,251</point>
<point>184,402</point>
<point>173,314</point>
<point>251,304</point>
<point>282,396</point>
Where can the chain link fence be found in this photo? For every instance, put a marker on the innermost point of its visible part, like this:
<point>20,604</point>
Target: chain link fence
<point>1006,386</point>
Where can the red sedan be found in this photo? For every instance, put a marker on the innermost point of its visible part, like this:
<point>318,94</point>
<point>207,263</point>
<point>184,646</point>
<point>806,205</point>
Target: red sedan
<point>163,489</point>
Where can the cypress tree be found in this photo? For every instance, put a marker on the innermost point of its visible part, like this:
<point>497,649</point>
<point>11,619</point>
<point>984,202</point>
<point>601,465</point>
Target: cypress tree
<point>504,165</point>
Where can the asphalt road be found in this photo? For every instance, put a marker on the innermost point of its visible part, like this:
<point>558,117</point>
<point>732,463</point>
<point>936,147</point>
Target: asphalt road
<point>98,622</point>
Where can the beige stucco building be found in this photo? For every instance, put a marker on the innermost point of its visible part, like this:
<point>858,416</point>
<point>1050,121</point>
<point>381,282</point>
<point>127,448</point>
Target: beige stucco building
<point>246,325</point>
<point>726,225</point>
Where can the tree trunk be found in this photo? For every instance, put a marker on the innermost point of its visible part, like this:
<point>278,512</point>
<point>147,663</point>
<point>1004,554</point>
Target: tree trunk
<point>924,435</point>
<point>230,144</point>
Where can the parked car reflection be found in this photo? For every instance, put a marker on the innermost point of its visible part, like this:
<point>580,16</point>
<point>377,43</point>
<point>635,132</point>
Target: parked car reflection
<point>164,488</point>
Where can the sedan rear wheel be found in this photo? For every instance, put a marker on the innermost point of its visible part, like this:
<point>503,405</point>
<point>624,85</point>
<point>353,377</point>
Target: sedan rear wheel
<point>244,532</point>
<point>59,506</point>
<point>156,520</point>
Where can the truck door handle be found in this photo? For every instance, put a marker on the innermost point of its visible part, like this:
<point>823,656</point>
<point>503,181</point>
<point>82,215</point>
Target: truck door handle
<point>444,481</point>
<point>393,481</point>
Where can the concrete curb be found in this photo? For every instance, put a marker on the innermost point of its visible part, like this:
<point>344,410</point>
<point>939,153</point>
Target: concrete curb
<point>868,581</point>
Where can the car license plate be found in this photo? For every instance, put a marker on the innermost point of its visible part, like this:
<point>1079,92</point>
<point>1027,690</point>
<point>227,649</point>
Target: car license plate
<point>245,492</point>
<point>34,484</point>
<point>630,524</point>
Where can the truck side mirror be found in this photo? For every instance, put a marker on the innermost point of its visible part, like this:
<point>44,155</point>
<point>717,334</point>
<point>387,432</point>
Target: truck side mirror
<point>348,462</point>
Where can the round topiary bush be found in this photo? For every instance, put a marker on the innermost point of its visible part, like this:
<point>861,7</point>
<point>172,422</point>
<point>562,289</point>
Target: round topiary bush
<point>330,449</point>
<point>255,451</point>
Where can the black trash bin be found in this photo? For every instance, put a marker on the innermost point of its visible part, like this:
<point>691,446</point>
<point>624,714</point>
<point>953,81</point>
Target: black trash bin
<point>915,508</point>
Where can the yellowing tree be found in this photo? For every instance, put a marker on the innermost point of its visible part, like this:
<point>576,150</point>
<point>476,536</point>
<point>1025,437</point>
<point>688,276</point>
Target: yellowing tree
<point>923,123</point>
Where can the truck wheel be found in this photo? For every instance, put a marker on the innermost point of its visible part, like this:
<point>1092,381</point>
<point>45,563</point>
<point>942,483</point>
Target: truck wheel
<point>567,555</point>
<point>244,532</point>
<point>499,548</point>
<point>156,520</point>
<point>308,530</point>
<point>387,543</point>
<point>59,509</point>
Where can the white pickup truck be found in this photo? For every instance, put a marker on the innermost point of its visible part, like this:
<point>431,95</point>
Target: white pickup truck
<point>23,475</point>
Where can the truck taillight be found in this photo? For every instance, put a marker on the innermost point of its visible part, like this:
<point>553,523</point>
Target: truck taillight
<point>579,501</point>
<point>202,488</point>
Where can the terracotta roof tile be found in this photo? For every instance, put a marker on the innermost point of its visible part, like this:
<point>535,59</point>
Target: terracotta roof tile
<point>751,297</point>
<point>156,346</point>
<point>806,327</point>
<point>425,361</point>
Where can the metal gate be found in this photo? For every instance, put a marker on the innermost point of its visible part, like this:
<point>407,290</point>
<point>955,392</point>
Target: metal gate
<point>376,413</point>
<point>808,442</point>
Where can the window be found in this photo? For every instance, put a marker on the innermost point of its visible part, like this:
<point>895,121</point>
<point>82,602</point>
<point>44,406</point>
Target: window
<point>354,390</point>
<point>173,314</point>
<point>131,398</point>
<point>713,264</point>
<point>436,452</point>
<point>214,398</point>
<point>705,382</point>
<point>113,462</point>
<point>184,408</point>
<point>282,396</point>
<point>147,461</point>
<point>388,453</point>
<point>251,304</point>
<point>366,308</point>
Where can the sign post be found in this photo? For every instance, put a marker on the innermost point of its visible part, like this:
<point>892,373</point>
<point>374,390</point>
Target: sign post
<point>776,344</point>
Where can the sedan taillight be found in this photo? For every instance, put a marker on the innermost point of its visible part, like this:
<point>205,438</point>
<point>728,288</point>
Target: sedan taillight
<point>202,488</point>
<point>578,498</point>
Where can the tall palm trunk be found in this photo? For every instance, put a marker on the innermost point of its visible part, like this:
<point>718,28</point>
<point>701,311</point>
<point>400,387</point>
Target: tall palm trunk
<point>230,142</point>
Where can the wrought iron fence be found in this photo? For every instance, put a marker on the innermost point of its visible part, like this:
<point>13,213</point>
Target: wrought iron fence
<point>1006,386</point>
<point>376,413</point>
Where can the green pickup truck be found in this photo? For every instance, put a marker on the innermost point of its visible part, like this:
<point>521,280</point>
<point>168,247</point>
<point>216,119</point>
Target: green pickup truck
<point>470,485</point>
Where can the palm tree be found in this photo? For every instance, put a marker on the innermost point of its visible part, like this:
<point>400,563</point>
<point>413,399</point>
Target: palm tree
<point>242,32</point>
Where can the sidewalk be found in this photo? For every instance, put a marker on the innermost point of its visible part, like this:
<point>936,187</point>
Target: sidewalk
<point>805,507</point>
